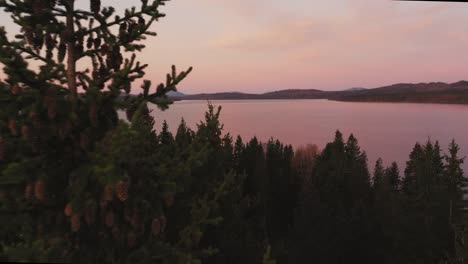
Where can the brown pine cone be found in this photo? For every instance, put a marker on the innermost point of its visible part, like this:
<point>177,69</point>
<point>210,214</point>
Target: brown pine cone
<point>103,202</point>
<point>109,220</point>
<point>15,89</point>
<point>28,34</point>
<point>39,190</point>
<point>122,190</point>
<point>68,210</point>
<point>116,233</point>
<point>25,132</point>
<point>129,113</point>
<point>12,126</point>
<point>28,191</point>
<point>169,199</point>
<point>35,120</point>
<point>75,222</point>
<point>108,194</point>
<point>52,109</point>
<point>155,227</point>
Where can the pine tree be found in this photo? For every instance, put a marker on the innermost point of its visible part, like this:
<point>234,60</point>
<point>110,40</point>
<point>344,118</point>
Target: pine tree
<point>333,222</point>
<point>456,182</point>
<point>378,174</point>
<point>72,145</point>
<point>392,176</point>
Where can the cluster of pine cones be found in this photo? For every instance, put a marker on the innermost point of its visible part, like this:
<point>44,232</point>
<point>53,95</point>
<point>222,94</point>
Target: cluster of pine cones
<point>38,191</point>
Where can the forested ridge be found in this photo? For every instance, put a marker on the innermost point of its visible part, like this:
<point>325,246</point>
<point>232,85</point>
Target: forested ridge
<point>78,184</point>
<point>437,92</point>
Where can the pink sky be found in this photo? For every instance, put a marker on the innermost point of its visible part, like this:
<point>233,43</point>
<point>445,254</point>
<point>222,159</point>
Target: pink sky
<point>265,45</point>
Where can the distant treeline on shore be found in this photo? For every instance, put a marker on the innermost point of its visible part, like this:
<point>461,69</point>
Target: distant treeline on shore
<point>435,92</point>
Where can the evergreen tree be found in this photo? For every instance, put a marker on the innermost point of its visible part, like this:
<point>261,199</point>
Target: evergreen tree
<point>392,176</point>
<point>332,224</point>
<point>378,177</point>
<point>86,176</point>
<point>456,182</point>
<point>184,135</point>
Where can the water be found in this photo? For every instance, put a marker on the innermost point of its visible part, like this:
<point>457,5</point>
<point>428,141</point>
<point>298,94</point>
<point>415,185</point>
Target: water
<point>386,130</point>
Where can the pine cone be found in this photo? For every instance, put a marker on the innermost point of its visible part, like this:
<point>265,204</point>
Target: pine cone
<point>28,35</point>
<point>39,190</point>
<point>108,194</point>
<point>116,233</point>
<point>34,116</point>
<point>68,210</point>
<point>129,113</point>
<point>38,7</point>
<point>15,89</point>
<point>109,221</point>
<point>12,126</point>
<point>52,109</point>
<point>156,227</point>
<point>131,239</point>
<point>103,202</point>
<point>97,43</point>
<point>25,132</point>
<point>122,190</point>
<point>28,191</point>
<point>2,149</point>
<point>169,199</point>
<point>50,100</point>
<point>75,222</point>
<point>62,51</point>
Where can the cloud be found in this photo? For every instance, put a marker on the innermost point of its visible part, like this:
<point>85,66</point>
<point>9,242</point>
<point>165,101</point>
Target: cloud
<point>365,26</point>
<point>278,36</point>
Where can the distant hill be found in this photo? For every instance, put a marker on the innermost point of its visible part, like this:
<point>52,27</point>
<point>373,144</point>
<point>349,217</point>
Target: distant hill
<point>294,94</point>
<point>221,96</point>
<point>438,92</point>
<point>282,94</point>
<point>434,92</point>
<point>175,94</point>
<point>356,89</point>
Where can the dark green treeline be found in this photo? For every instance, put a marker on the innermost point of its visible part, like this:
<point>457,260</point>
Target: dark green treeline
<point>203,196</point>
<point>326,207</point>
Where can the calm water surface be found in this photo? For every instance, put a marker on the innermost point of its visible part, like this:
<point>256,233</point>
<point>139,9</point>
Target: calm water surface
<point>387,130</point>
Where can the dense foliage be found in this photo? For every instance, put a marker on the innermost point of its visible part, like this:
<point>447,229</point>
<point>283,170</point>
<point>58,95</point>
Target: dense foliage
<point>79,184</point>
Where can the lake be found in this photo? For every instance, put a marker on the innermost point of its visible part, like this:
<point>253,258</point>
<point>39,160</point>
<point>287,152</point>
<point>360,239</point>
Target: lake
<point>386,130</point>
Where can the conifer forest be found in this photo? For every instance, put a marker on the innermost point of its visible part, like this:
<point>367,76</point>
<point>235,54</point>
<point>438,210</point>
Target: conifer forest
<point>78,184</point>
